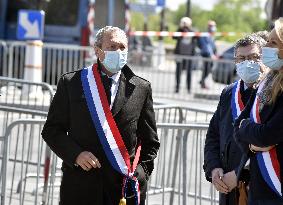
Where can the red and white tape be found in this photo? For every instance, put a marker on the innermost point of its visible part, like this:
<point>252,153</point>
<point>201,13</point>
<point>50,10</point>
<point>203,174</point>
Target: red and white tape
<point>127,17</point>
<point>183,34</point>
<point>90,21</point>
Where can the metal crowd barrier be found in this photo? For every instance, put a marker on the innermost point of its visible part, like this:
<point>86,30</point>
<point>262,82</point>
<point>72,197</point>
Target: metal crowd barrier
<point>25,94</point>
<point>22,99</point>
<point>24,175</point>
<point>175,180</point>
<point>57,59</point>
<point>3,58</point>
<point>158,68</point>
<point>181,114</point>
<point>162,74</point>
<point>179,179</point>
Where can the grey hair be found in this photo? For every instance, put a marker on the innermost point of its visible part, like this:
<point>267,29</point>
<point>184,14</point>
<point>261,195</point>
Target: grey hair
<point>106,30</point>
<point>263,34</point>
<point>251,39</point>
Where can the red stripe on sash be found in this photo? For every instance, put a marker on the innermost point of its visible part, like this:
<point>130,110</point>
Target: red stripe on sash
<point>110,119</point>
<point>137,157</point>
<point>240,102</point>
<point>275,163</point>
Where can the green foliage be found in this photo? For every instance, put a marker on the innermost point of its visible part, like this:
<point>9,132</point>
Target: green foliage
<point>137,21</point>
<point>230,15</point>
<point>242,16</point>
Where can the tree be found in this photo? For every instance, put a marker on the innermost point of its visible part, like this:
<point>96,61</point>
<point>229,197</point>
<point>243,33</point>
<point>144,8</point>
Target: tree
<point>230,15</point>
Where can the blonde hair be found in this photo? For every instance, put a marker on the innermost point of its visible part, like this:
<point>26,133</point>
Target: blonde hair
<point>278,26</point>
<point>277,86</point>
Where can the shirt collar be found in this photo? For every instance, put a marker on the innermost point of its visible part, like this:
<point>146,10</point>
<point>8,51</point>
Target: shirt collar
<point>245,86</point>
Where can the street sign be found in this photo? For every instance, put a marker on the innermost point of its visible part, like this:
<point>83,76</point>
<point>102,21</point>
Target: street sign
<point>143,8</point>
<point>161,3</point>
<point>30,25</point>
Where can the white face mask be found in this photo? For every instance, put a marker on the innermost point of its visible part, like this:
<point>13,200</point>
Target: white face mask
<point>212,29</point>
<point>271,59</point>
<point>248,71</point>
<point>114,61</point>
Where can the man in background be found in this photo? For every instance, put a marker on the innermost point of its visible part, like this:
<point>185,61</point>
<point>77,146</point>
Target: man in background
<point>185,46</point>
<point>208,50</point>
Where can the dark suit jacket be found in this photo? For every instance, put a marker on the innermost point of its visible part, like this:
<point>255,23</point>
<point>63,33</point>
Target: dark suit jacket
<point>192,47</point>
<point>269,132</point>
<point>69,130</point>
<point>220,149</point>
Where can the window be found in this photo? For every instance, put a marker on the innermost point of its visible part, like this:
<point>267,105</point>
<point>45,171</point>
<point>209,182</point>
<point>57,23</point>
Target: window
<point>57,12</point>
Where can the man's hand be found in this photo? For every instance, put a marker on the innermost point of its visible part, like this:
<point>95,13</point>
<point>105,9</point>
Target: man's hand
<point>219,185</point>
<point>230,179</point>
<point>87,161</point>
<point>261,149</point>
<point>214,57</point>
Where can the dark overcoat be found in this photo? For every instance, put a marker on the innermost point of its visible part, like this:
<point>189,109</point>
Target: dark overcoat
<point>220,149</point>
<point>268,132</point>
<point>69,130</point>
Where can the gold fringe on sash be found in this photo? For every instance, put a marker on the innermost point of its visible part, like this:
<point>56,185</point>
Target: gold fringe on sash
<point>122,201</point>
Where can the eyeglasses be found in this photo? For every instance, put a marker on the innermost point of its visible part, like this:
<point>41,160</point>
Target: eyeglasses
<point>253,57</point>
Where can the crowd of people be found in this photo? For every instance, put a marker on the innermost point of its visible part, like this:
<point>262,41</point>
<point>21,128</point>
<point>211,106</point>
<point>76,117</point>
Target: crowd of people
<point>186,47</point>
<point>243,151</point>
<point>102,124</point>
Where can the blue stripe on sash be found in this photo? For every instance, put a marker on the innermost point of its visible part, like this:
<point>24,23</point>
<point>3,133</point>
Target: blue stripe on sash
<point>233,102</point>
<point>96,120</point>
<point>264,172</point>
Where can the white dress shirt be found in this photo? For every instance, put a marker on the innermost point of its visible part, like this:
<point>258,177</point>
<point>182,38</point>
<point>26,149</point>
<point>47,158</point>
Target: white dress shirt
<point>114,86</point>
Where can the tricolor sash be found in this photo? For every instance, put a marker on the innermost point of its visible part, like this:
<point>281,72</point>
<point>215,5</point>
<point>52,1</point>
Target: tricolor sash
<point>107,130</point>
<point>237,104</point>
<point>267,161</point>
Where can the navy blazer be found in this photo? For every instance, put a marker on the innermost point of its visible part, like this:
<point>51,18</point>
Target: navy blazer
<point>269,132</point>
<point>220,149</point>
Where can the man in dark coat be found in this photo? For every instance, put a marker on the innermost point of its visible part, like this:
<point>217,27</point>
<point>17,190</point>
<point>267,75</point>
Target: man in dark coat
<point>221,153</point>
<point>185,46</point>
<point>208,50</point>
<point>88,176</point>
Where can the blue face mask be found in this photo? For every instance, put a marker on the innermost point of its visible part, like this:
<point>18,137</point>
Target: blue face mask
<point>248,71</point>
<point>114,61</point>
<point>270,58</point>
<point>212,29</point>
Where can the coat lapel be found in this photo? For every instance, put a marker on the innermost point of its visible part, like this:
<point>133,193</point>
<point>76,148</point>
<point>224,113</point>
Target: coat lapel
<point>125,90</point>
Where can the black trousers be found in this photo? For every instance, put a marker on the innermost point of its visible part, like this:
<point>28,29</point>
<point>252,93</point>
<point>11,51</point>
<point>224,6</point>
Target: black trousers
<point>187,66</point>
<point>207,65</point>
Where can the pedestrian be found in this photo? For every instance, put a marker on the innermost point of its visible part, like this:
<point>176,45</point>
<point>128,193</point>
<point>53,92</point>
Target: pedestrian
<point>259,130</point>
<point>208,50</point>
<point>185,46</point>
<point>221,153</point>
<point>101,124</point>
